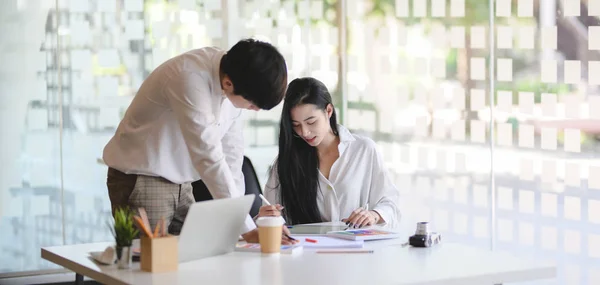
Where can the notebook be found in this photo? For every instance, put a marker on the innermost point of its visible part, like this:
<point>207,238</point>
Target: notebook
<point>363,234</point>
<point>323,242</point>
<point>255,247</point>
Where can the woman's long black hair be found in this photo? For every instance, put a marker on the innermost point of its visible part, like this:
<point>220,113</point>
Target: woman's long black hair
<point>298,162</point>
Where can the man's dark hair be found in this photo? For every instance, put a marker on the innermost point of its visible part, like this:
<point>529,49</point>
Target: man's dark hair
<point>258,72</point>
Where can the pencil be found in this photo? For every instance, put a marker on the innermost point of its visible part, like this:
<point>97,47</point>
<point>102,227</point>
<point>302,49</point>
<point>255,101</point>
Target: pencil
<point>345,251</point>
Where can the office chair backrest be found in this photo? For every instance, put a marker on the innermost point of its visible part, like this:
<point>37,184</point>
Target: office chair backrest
<point>252,185</point>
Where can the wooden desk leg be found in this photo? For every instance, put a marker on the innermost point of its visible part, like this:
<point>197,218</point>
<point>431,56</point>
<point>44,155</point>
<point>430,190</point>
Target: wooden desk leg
<point>78,279</point>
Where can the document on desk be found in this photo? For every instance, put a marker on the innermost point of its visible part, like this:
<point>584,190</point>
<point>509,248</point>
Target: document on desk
<point>321,242</point>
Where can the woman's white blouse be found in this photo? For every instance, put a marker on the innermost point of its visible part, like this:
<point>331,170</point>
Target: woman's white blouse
<point>357,177</point>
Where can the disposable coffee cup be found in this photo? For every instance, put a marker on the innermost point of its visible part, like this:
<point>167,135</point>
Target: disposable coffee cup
<point>269,234</point>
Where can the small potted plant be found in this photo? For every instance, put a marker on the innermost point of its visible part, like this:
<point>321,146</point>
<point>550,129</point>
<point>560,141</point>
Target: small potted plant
<point>124,231</point>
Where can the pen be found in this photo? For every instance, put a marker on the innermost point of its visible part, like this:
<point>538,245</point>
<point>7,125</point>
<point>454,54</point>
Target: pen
<point>269,204</point>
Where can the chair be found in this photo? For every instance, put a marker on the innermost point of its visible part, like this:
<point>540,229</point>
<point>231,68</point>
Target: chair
<point>201,193</point>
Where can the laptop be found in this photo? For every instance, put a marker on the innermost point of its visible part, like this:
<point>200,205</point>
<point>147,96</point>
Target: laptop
<point>213,227</point>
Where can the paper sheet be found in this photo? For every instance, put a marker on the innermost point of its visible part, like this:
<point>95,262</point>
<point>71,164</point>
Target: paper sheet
<point>526,170</point>
<point>402,8</point>
<point>505,103</point>
<point>458,99</point>
<point>572,175</point>
<point>549,138</point>
<point>549,104</point>
<point>478,68</point>
<point>548,172</point>
<point>505,198</point>
<point>478,131</point>
<point>419,9</point>
<point>457,37</point>
<point>594,68</point>
<point>572,208</point>
<point>526,102</point>
<point>571,8</point>
<point>477,99</point>
<point>327,242</point>
<point>550,240</point>
<point>593,7</point>
<point>594,178</point>
<point>526,136</point>
<point>572,140</point>
<point>504,134</point>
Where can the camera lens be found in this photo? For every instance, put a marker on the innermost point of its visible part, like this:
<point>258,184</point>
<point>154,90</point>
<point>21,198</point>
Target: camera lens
<point>422,228</point>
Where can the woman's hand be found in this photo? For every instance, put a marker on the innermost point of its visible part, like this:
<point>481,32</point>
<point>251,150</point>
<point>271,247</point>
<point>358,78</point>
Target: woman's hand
<point>252,236</point>
<point>361,217</point>
<point>270,211</point>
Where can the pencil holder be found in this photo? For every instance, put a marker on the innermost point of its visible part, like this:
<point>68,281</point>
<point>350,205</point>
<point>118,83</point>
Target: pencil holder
<point>159,254</point>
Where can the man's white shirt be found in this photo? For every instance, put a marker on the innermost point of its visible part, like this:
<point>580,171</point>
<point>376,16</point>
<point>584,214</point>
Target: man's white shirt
<point>181,127</point>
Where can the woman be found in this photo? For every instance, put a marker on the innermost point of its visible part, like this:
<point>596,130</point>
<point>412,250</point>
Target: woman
<point>323,172</point>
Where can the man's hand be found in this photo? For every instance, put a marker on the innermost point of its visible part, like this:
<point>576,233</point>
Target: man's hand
<point>252,236</point>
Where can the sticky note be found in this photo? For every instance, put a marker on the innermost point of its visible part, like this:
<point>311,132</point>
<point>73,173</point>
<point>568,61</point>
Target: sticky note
<point>594,177</point>
<point>457,8</point>
<point>477,131</point>
<point>594,37</point>
<point>504,135</point>
<point>460,163</point>
<point>593,71</point>
<point>438,8</point>
<point>525,8</point>
<point>572,239</point>
<point>572,71</point>
<point>438,67</point>
<point>526,37</point>
<point>504,37</point>
<point>478,37</point>
<point>458,99</point>
<point>572,210</point>
<point>503,8</point>
<point>439,36</point>
<point>421,127</point>
<point>571,8</point>
<point>548,104</point>
<point>505,230</point>
<point>548,171</point>
<point>505,70</point>
<point>478,68</point>
<point>440,165</point>
<point>402,8</point>
<point>457,36</point>
<point>439,129</point>
<point>108,6</point>
<point>549,206</point>
<point>549,37</point>
<point>526,100</point>
<point>79,6</point>
<point>458,130</point>
<point>133,5</point>
<point>526,136</point>
<point>593,7</point>
<point>594,106</point>
<point>572,140</point>
<point>420,66</point>
<point>477,99</point>
<point>526,234</point>
<point>420,8</point>
<point>108,58</point>
<point>572,175</point>
<point>316,9</point>
<point>505,198</point>
<point>594,211</point>
<point>548,70</point>
<point>549,138</point>
<point>526,201</point>
<point>480,196</point>
<point>134,30</point>
<point>572,106</point>
<point>504,99</point>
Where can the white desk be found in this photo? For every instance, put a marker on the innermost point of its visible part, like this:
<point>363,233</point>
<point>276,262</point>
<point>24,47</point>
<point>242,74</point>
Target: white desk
<point>448,264</point>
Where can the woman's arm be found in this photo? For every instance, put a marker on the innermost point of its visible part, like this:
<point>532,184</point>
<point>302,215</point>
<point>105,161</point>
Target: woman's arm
<point>384,195</point>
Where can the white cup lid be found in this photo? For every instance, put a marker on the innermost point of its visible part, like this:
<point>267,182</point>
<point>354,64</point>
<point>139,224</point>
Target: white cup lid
<point>270,221</point>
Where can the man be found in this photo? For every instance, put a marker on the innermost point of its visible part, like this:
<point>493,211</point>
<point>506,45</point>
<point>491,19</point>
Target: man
<point>184,124</point>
